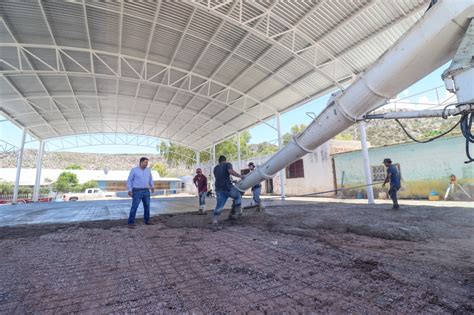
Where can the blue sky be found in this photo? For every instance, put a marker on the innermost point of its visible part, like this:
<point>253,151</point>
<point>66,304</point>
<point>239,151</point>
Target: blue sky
<point>12,134</point>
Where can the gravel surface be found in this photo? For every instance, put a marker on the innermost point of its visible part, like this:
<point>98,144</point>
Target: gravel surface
<point>324,257</point>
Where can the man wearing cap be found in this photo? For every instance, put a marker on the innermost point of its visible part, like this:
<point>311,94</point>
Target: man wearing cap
<point>393,176</point>
<point>200,181</point>
<point>256,190</point>
<point>225,189</point>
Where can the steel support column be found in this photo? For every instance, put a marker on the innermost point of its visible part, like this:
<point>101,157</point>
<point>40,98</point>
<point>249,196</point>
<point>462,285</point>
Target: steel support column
<point>19,161</point>
<point>239,161</point>
<point>280,145</point>
<point>366,161</point>
<point>39,167</point>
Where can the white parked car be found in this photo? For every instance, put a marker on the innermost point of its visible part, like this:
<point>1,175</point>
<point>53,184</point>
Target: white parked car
<point>88,194</point>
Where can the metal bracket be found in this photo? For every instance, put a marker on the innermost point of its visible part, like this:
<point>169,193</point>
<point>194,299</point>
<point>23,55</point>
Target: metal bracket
<point>266,176</point>
<point>339,108</point>
<point>296,141</point>
<point>313,117</point>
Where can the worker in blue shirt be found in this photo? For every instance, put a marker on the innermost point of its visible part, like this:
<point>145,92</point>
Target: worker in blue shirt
<point>256,191</point>
<point>393,176</point>
<point>139,184</point>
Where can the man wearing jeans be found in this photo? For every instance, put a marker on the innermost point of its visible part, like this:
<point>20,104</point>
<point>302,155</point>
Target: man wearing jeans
<point>139,184</point>
<point>225,189</point>
<point>393,176</point>
<point>200,181</point>
<point>256,190</point>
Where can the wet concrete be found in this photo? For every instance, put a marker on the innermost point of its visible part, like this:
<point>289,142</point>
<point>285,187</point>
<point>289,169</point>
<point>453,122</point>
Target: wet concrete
<point>96,210</point>
<point>295,257</point>
<point>107,209</point>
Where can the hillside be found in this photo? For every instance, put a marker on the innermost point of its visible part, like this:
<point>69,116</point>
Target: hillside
<point>385,132</point>
<point>379,132</point>
<point>91,161</point>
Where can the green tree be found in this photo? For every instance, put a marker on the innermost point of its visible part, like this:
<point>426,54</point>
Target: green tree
<point>295,129</point>
<point>73,167</point>
<point>6,187</point>
<point>44,190</point>
<point>344,136</point>
<point>175,154</point>
<point>66,182</point>
<point>265,148</point>
<point>25,190</point>
<point>228,148</point>
<point>160,168</point>
<point>86,185</point>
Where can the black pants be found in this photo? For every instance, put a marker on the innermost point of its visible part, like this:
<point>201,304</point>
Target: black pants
<point>393,195</point>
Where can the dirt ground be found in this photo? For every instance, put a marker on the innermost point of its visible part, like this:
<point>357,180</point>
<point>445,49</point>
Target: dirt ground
<point>305,258</point>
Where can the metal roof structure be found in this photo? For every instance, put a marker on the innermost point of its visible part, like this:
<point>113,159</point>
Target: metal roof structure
<point>192,72</point>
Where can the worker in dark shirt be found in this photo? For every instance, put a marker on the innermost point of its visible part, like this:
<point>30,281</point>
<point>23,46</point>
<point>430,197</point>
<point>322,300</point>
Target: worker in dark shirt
<point>393,176</point>
<point>225,189</point>
<point>200,181</point>
<point>256,190</point>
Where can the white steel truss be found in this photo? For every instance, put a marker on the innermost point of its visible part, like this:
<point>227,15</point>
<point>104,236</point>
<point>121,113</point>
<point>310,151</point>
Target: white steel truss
<point>193,72</point>
<point>78,141</point>
<point>6,147</point>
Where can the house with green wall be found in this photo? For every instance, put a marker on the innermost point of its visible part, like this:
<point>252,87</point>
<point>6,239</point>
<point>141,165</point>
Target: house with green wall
<point>424,167</point>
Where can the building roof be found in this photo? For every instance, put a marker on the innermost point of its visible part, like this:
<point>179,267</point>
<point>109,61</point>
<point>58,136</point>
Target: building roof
<point>28,175</point>
<point>193,72</point>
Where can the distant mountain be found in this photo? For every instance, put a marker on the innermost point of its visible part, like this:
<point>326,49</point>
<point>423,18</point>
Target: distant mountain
<point>379,132</point>
<point>385,132</point>
<point>90,161</point>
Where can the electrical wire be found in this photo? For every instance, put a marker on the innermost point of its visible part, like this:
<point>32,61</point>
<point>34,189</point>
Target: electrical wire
<point>444,115</point>
<point>467,118</point>
<point>428,140</point>
<point>466,130</point>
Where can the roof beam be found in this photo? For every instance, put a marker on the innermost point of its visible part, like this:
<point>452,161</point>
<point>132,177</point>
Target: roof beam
<point>315,8</point>
<point>175,53</point>
<point>201,115</point>
<point>86,23</point>
<point>268,37</point>
<point>21,51</point>
<point>126,139</point>
<point>123,57</point>
<point>22,96</point>
<point>14,121</point>
<point>381,30</point>
<point>121,13</point>
<point>219,67</point>
<point>58,55</point>
<point>198,60</point>
<point>242,73</point>
<point>75,98</point>
<point>349,19</point>
<point>147,53</point>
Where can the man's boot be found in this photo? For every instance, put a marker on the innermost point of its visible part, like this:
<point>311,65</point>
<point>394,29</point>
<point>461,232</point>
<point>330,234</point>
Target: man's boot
<point>238,211</point>
<point>232,216</point>
<point>215,223</point>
